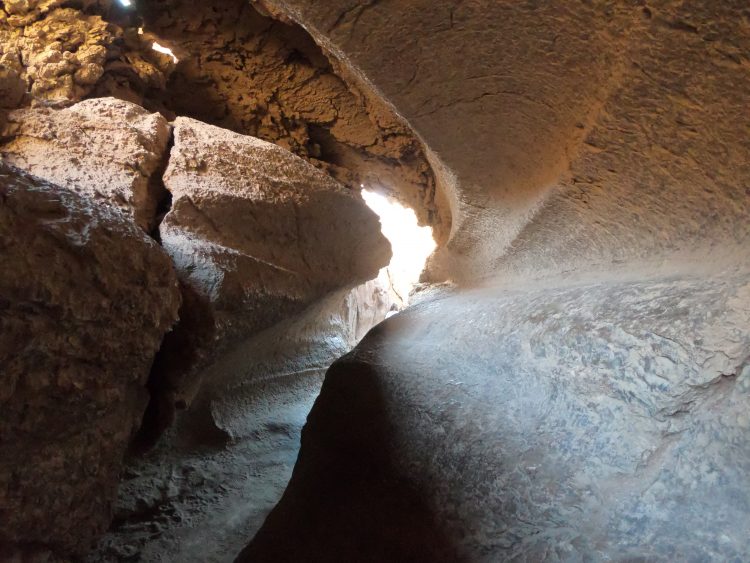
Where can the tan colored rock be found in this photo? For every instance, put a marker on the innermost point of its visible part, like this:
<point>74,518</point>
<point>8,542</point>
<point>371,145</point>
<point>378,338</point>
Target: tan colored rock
<point>106,148</point>
<point>85,299</point>
<point>258,232</point>
<point>255,75</point>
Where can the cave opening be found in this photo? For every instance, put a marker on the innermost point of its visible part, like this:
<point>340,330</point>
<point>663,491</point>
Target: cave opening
<point>411,243</point>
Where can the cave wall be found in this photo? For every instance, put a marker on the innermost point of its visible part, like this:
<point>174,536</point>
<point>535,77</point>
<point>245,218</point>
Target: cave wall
<point>85,300</point>
<point>586,401</point>
<point>596,145</point>
<point>267,78</point>
<point>574,135</point>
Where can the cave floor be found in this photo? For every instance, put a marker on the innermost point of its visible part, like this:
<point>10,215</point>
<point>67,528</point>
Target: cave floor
<point>191,503</point>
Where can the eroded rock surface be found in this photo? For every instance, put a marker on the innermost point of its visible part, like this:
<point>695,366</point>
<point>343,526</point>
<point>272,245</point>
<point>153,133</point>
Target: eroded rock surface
<point>572,136</point>
<point>85,299</point>
<point>592,421</point>
<point>257,233</point>
<point>105,148</point>
<point>262,77</point>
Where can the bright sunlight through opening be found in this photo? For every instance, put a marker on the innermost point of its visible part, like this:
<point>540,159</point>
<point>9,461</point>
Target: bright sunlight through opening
<point>161,48</point>
<point>411,243</point>
<point>165,50</point>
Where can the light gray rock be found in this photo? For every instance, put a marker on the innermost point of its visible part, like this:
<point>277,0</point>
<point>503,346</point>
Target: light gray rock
<point>216,474</point>
<point>592,421</point>
<point>85,300</point>
<point>104,148</point>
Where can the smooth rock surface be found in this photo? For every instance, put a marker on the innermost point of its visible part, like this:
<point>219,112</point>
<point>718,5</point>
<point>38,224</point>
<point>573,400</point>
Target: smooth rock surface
<point>259,233</point>
<point>104,148</point>
<point>85,299</point>
<point>588,421</point>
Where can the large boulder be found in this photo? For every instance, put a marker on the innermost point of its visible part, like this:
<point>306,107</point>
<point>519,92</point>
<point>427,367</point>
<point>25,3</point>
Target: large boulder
<point>257,232</point>
<point>589,421</point>
<point>85,300</point>
<point>105,148</point>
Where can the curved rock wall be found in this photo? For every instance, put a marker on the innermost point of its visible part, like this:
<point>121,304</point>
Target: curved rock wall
<point>576,136</point>
<point>262,77</point>
<point>591,421</point>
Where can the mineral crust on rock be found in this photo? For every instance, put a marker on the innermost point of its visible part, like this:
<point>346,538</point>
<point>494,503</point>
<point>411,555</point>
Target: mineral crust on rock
<point>85,300</point>
<point>56,55</point>
<point>105,148</point>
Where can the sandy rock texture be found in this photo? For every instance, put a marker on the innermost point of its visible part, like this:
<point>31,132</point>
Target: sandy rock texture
<point>571,136</point>
<point>257,234</point>
<point>262,77</point>
<point>105,148</point>
<point>588,421</point>
<point>85,299</point>
<point>216,474</point>
<point>56,52</point>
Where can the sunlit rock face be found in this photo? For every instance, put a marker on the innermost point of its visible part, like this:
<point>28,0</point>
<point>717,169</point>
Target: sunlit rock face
<point>85,300</point>
<point>105,148</point>
<point>597,421</point>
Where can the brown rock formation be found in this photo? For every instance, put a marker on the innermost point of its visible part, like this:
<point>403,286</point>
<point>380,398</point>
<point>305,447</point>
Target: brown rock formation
<point>238,69</point>
<point>256,233</point>
<point>105,148</point>
<point>258,76</point>
<point>590,403</point>
<point>57,55</point>
<point>85,299</point>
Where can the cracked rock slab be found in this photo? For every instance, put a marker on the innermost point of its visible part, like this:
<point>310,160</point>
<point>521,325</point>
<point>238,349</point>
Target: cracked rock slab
<point>259,233</point>
<point>105,148</point>
<point>85,300</point>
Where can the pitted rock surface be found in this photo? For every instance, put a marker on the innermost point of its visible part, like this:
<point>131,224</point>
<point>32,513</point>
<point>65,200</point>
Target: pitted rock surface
<point>104,148</point>
<point>257,234</point>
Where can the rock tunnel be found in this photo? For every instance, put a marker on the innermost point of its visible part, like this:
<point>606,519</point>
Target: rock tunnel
<point>374,280</point>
